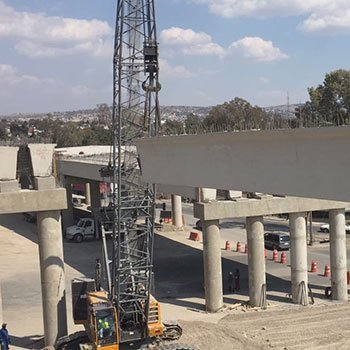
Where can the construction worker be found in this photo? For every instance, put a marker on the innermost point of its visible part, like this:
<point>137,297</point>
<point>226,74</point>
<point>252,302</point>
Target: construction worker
<point>104,329</point>
<point>237,279</point>
<point>231,288</point>
<point>4,337</point>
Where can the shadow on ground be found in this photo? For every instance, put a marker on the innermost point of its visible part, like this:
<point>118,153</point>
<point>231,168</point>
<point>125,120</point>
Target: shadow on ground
<point>178,269</point>
<point>30,342</point>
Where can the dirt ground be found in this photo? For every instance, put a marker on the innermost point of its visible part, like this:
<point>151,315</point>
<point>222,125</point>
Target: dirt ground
<point>325,325</point>
<point>312,327</point>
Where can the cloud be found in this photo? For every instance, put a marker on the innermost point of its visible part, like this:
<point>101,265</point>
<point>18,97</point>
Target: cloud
<point>190,42</point>
<point>32,49</point>
<point>167,70</point>
<point>332,23</point>
<point>175,36</point>
<point>272,94</point>
<point>39,35</point>
<point>80,90</point>
<point>9,76</point>
<point>257,49</point>
<point>324,15</point>
<point>264,80</point>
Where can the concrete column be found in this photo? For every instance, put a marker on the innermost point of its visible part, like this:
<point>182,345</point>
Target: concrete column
<point>95,194</point>
<point>67,214</point>
<point>87,194</point>
<point>212,265</point>
<point>52,276</point>
<point>338,254</point>
<point>176,207</point>
<point>1,309</point>
<point>298,257</point>
<point>256,259</point>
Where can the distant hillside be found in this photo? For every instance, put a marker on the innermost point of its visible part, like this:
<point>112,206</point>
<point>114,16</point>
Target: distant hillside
<point>284,110</point>
<point>167,112</point>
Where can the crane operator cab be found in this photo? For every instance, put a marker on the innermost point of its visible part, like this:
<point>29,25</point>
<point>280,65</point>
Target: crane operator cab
<point>105,329</point>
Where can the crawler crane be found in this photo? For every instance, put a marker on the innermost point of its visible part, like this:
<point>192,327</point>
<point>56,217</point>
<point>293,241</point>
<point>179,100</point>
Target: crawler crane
<point>126,315</point>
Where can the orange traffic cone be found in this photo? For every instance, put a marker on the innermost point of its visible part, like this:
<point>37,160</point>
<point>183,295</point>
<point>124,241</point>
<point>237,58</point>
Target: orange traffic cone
<point>283,258</point>
<point>313,266</point>
<point>327,271</point>
<point>275,256</point>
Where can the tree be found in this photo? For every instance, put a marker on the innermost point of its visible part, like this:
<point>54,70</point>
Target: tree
<point>173,127</point>
<point>3,135</point>
<point>193,124</point>
<point>237,114</point>
<point>68,135</point>
<point>329,102</point>
<point>104,116</point>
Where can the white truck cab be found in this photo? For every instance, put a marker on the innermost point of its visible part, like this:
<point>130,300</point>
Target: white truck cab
<point>85,228</point>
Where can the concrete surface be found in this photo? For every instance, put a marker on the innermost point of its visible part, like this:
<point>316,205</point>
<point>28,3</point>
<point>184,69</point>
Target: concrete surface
<point>44,183</point>
<point>42,156</point>
<point>212,266</point>
<point>256,260</point>
<point>30,200</point>
<point>9,186</point>
<point>52,276</point>
<point>298,255</point>
<point>338,255</point>
<point>83,169</point>
<point>176,208</point>
<point>8,156</point>
<point>309,163</point>
<point>265,206</point>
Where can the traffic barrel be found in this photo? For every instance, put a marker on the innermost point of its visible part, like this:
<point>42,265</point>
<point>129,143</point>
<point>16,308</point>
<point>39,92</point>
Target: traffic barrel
<point>275,256</point>
<point>227,245</point>
<point>283,258</point>
<point>327,271</point>
<point>238,249</point>
<point>246,248</point>
<point>313,266</point>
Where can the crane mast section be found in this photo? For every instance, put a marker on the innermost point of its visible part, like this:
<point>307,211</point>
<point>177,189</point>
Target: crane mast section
<point>135,114</point>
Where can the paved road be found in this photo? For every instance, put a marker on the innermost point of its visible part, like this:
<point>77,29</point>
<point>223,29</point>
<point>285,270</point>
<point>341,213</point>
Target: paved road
<point>233,230</point>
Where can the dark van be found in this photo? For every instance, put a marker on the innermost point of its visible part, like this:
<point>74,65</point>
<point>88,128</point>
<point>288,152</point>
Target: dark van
<point>279,241</point>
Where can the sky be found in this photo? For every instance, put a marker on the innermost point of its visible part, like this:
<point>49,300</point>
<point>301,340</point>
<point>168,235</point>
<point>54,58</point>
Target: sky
<point>56,55</point>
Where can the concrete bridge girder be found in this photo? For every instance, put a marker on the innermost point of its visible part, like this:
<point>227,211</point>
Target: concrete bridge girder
<point>310,163</point>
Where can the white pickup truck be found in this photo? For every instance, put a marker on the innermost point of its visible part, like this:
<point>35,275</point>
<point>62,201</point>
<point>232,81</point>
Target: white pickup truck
<point>85,228</point>
<point>325,228</point>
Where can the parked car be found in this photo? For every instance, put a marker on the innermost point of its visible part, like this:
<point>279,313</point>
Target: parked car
<point>325,228</point>
<point>279,241</point>
<point>30,217</point>
<point>199,225</point>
